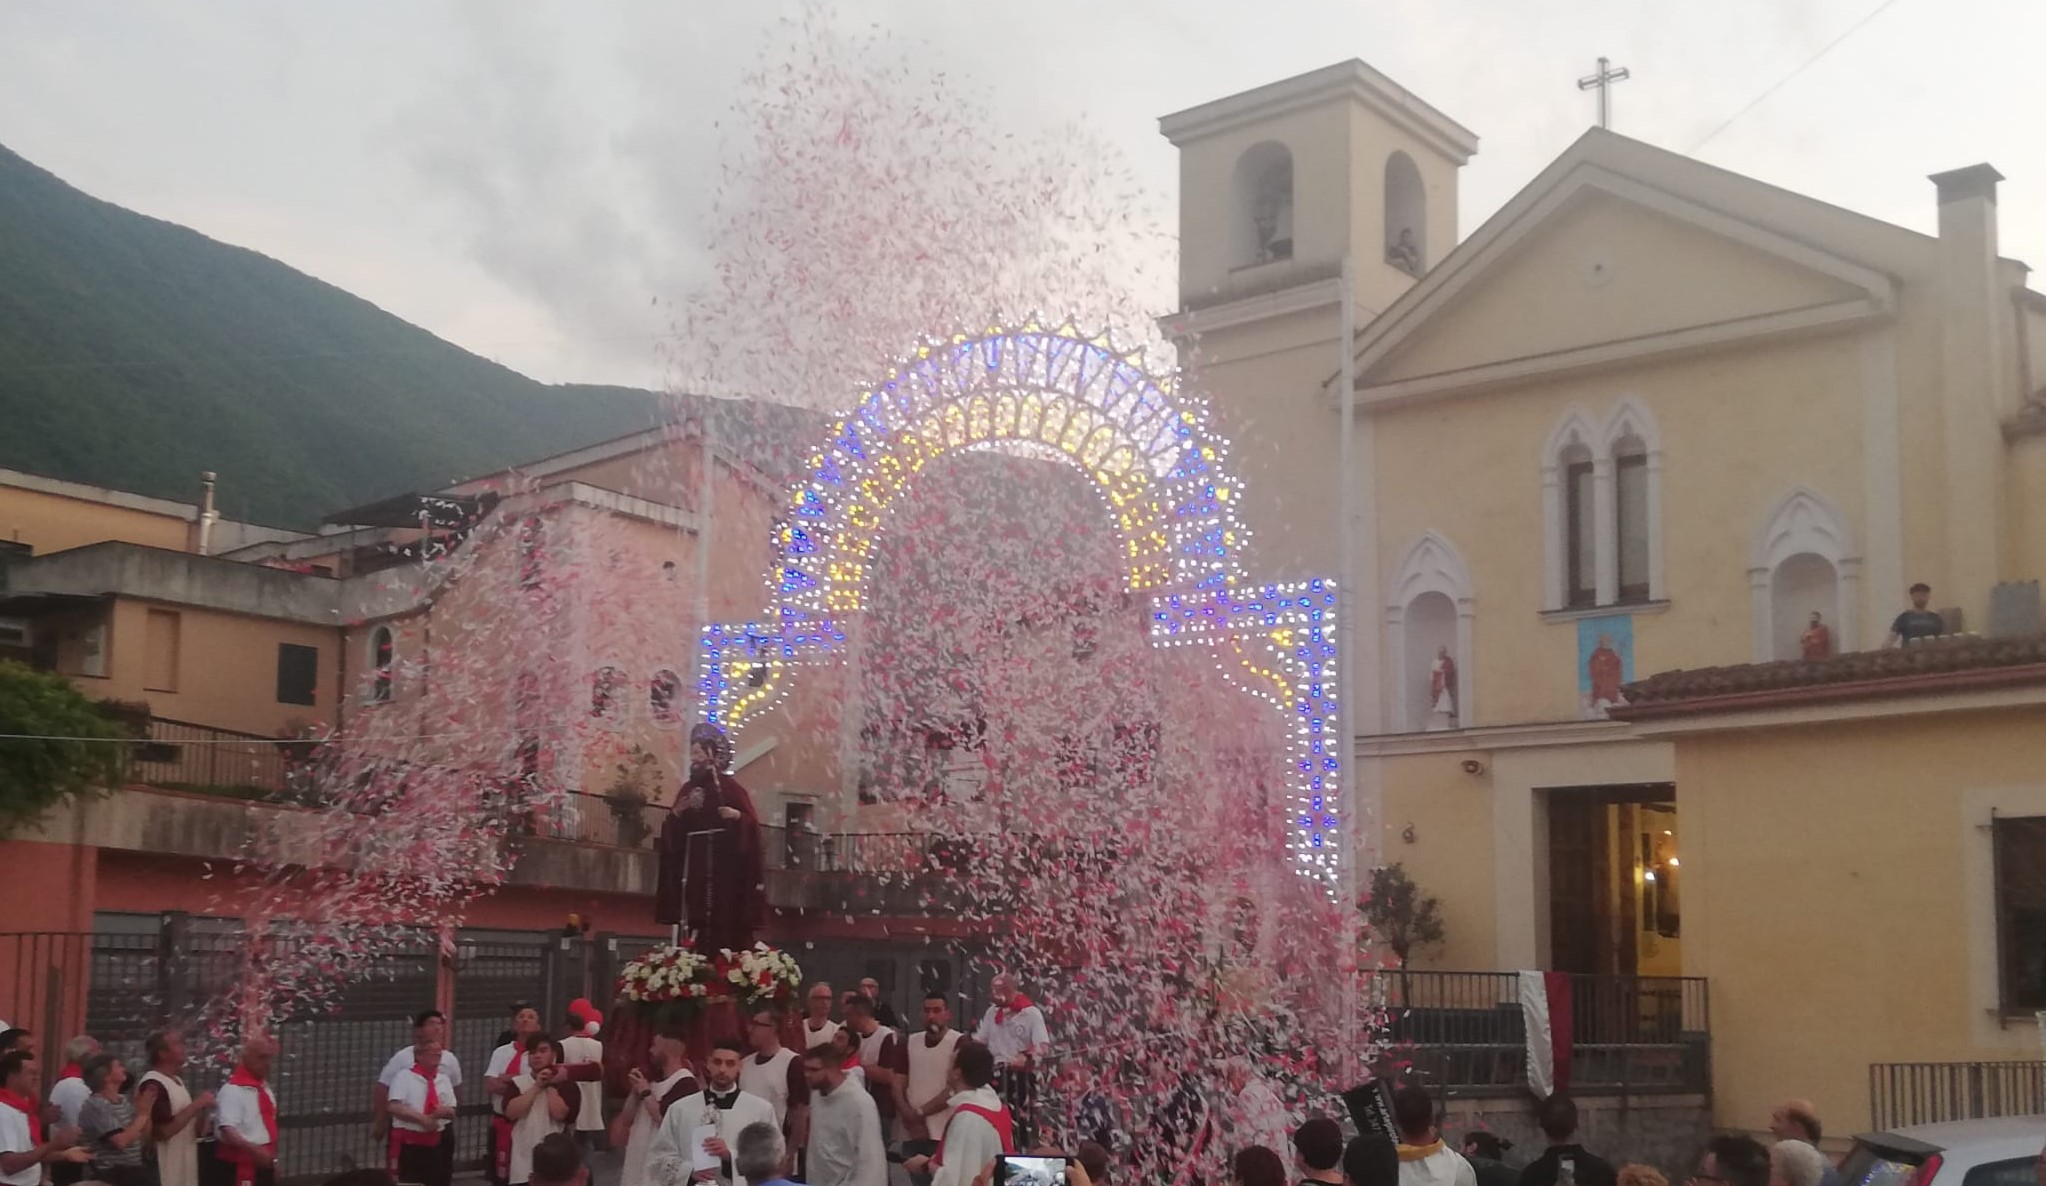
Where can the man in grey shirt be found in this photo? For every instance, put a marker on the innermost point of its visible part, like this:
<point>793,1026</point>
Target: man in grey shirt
<point>846,1145</point>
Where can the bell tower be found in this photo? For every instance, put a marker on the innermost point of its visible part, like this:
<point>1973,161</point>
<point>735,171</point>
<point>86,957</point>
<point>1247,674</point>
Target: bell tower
<point>1277,184</point>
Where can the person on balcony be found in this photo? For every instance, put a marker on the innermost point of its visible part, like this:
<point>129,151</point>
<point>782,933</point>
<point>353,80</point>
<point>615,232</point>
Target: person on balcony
<point>1424,1159</point>
<point>711,879</point>
<point>1565,1161</point>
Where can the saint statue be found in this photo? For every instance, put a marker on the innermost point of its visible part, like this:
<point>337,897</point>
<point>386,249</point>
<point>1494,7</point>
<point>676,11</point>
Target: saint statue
<point>1605,670</point>
<point>711,878</point>
<point>1817,640</point>
<point>1442,690</point>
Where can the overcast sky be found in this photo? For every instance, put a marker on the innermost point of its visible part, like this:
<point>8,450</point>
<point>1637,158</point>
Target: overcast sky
<point>525,178</point>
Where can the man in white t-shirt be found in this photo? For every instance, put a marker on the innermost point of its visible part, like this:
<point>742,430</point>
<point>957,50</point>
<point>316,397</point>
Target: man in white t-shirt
<point>721,1109</point>
<point>981,1128</point>
<point>24,1148</point>
<point>245,1117</point>
<point>430,1025</point>
<point>70,1092</point>
<point>818,1028</point>
<point>1013,1030</point>
<point>422,1107</point>
<point>507,1062</point>
<point>775,1073</point>
<point>579,1047</point>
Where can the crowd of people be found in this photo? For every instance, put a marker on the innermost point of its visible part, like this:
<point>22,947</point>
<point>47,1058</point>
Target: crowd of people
<point>862,1096</point>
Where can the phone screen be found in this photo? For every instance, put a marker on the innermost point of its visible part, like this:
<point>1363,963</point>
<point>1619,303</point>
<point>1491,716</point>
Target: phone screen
<point>1017,1170</point>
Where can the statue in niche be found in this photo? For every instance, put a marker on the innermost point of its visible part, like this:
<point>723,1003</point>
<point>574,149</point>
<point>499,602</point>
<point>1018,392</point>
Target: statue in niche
<point>1442,712</point>
<point>1404,253</point>
<point>1817,640</point>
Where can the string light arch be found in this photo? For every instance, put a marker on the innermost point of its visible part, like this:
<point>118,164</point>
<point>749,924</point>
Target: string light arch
<point>1162,474</point>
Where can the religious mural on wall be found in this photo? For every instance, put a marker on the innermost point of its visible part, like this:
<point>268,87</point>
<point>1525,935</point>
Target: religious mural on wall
<point>1605,663</point>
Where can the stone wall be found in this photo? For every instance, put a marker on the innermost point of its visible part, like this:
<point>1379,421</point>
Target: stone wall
<point>1665,1131</point>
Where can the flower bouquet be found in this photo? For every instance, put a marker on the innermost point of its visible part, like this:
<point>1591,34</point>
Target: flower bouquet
<point>668,984</point>
<point>762,977</point>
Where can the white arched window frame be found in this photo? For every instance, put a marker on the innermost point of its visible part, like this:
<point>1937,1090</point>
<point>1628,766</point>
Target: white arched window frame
<point>1632,439</point>
<point>1432,565</point>
<point>1629,439</point>
<point>1803,522</point>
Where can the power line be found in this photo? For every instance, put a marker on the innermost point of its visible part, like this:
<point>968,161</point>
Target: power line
<point>1780,83</point>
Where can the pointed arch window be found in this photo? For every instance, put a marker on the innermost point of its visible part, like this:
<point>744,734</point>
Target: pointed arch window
<point>1602,510</point>
<point>383,654</point>
<point>605,687</point>
<point>661,695</point>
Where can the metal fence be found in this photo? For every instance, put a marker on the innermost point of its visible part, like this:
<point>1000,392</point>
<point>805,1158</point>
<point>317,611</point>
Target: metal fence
<point>1906,1093</point>
<point>182,756</point>
<point>121,986</point>
<point>1467,1033</point>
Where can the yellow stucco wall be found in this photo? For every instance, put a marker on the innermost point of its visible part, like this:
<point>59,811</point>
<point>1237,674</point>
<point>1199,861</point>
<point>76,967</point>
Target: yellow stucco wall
<point>52,522</point>
<point>226,676</point>
<point>1838,899</point>
<point>1482,457</point>
<point>1451,854</point>
<point>1539,300</point>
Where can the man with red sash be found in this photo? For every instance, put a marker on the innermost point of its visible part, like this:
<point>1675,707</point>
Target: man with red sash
<point>422,1107</point>
<point>1013,1028</point>
<point>980,1129</point>
<point>23,1151</point>
<point>247,1117</point>
<point>507,1063</point>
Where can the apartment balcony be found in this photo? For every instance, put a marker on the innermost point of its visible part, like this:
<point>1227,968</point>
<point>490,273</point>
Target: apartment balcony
<point>195,791</point>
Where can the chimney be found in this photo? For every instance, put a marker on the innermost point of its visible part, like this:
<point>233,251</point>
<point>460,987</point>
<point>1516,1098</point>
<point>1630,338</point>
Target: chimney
<point>207,515</point>
<point>1971,304</point>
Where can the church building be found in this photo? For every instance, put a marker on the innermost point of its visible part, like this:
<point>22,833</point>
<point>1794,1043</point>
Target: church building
<point>1657,417</point>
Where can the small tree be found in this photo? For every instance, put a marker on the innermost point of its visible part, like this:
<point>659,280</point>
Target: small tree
<point>1399,915</point>
<point>54,743</point>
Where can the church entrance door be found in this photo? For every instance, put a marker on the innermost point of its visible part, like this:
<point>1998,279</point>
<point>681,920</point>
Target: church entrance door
<point>1613,871</point>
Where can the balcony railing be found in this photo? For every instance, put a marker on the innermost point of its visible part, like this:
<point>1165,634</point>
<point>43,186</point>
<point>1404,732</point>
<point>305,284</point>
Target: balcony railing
<point>1467,1033</point>
<point>182,756</point>
<point>1906,1093</point>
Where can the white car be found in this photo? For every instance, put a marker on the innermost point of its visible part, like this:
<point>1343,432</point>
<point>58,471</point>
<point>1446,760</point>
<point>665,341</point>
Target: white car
<point>2000,1152</point>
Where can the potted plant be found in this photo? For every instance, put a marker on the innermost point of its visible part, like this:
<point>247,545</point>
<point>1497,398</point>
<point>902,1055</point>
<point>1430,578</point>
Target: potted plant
<point>631,790</point>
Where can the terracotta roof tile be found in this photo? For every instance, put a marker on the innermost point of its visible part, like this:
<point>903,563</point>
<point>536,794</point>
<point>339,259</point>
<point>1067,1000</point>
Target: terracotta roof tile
<point>1856,673</point>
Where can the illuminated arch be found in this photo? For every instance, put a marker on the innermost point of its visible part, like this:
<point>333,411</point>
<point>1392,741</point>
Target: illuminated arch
<point>1162,474</point>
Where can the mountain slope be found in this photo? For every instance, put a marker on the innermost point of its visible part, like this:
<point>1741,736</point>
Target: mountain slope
<point>135,353</point>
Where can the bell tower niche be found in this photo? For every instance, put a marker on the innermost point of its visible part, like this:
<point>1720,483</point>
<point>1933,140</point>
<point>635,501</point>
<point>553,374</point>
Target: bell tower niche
<point>1277,184</point>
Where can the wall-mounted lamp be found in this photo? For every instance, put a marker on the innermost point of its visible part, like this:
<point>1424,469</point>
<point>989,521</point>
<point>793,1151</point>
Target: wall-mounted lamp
<point>1473,766</point>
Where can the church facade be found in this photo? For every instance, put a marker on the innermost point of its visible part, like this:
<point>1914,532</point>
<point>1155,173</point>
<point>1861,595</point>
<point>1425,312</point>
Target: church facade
<point>1653,416</point>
